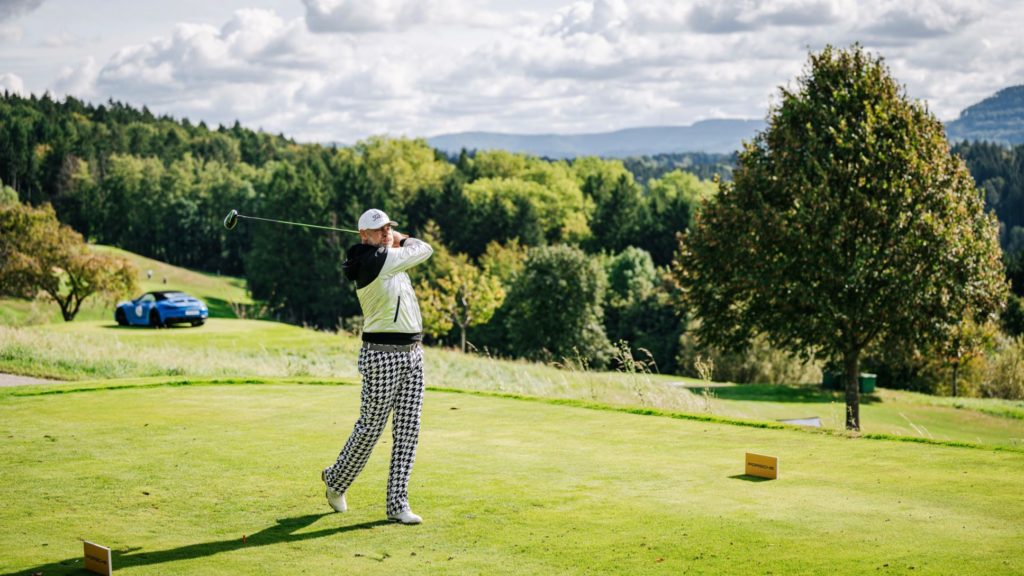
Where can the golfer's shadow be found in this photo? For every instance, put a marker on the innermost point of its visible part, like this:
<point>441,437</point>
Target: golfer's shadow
<point>283,531</point>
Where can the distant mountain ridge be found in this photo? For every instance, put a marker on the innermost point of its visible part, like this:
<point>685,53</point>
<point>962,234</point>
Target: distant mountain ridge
<point>998,118</point>
<point>712,136</point>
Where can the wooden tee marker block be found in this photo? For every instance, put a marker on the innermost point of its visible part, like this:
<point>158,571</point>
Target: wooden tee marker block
<point>763,466</point>
<point>97,559</point>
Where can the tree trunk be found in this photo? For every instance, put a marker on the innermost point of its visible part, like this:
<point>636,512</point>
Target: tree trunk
<point>65,311</point>
<point>462,333</point>
<point>74,309</point>
<point>956,366</point>
<point>64,303</point>
<point>851,365</point>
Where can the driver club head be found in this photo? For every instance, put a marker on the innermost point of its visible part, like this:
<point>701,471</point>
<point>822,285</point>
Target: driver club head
<point>231,220</point>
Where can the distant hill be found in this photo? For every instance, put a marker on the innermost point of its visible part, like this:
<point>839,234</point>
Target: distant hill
<point>711,136</point>
<point>998,118</point>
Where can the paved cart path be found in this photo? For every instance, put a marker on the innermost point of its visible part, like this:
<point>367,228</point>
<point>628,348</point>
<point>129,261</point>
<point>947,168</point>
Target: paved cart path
<point>15,380</point>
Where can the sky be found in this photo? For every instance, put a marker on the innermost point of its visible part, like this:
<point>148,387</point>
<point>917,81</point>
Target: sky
<point>343,70</point>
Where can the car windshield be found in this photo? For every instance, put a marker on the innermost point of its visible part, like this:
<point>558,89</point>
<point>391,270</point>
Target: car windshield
<point>170,295</point>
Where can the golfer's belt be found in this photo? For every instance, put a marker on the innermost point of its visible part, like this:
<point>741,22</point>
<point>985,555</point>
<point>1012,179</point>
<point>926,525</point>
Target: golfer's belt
<point>390,347</point>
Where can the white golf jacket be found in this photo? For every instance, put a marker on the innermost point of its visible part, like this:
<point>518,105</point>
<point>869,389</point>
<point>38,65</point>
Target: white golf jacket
<point>391,313</point>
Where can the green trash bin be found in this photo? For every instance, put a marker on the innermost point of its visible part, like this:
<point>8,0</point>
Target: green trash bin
<point>832,380</point>
<point>828,380</point>
<point>867,382</point>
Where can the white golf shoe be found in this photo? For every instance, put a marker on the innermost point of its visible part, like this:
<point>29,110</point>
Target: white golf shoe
<point>405,517</point>
<point>334,498</point>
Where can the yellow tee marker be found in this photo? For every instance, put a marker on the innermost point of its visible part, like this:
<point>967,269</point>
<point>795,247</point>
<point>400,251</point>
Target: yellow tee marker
<point>97,559</point>
<point>763,466</point>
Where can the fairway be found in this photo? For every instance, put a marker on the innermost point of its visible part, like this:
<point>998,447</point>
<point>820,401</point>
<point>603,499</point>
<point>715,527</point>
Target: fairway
<point>172,476</point>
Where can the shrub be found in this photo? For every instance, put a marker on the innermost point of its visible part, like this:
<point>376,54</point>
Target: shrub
<point>553,310</point>
<point>638,308</point>
<point>929,370</point>
<point>1013,316</point>
<point>1005,374</point>
<point>759,363</point>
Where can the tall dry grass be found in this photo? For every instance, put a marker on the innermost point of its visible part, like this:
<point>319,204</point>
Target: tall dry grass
<point>75,356</point>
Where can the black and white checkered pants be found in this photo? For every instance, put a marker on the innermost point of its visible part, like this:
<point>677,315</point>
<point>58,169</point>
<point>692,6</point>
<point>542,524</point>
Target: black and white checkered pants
<point>391,381</point>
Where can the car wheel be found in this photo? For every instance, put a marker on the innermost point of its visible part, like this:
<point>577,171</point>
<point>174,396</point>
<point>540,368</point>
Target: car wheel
<point>198,322</point>
<point>122,320</point>
<point>154,320</point>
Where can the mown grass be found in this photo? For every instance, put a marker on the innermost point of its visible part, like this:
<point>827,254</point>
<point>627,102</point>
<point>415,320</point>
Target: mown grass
<point>996,407</point>
<point>246,348</point>
<point>169,445</point>
<point>172,477</point>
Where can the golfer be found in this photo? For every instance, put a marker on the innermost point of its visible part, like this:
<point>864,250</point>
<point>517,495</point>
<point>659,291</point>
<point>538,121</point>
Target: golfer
<point>390,361</point>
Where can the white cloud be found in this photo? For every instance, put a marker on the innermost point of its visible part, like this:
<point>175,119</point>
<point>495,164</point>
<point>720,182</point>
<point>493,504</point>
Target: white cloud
<point>730,16</point>
<point>11,9</point>
<point>10,34</point>
<point>77,80</point>
<point>807,13</point>
<point>601,17</point>
<point>65,39</point>
<point>254,47</point>
<point>593,65</point>
<point>904,21</point>
<point>11,83</point>
<point>364,15</point>
<point>265,71</point>
<point>729,57</point>
<point>361,16</point>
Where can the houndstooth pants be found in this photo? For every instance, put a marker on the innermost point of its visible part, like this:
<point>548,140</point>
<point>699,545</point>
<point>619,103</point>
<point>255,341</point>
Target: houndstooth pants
<point>391,380</point>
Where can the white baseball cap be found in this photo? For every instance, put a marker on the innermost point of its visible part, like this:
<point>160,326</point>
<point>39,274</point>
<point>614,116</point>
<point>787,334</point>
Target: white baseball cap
<point>373,219</point>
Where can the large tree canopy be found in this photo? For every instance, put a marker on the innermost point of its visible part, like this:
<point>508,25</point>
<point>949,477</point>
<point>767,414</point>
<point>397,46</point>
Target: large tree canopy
<point>849,221</point>
<point>39,254</point>
<point>554,307</point>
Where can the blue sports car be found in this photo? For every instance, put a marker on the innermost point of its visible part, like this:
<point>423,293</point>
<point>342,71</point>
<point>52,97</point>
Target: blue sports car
<point>159,309</point>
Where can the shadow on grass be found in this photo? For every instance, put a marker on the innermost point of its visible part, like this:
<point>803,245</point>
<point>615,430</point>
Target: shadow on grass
<point>146,327</point>
<point>220,308</point>
<point>283,531</point>
<point>783,393</point>
<point>749,478</point>
<point>225,309</point>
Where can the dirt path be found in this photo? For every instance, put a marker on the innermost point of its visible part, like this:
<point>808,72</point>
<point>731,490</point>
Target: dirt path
<point>14,380</point>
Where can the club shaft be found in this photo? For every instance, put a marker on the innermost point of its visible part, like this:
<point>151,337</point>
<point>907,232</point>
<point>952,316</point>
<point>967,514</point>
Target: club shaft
<point>298,224</point>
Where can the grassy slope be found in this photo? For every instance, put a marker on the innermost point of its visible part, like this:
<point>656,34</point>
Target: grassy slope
<point>174,476</point>
<point>217,291</point>
<point>265,349</point>
<point>228,348</point>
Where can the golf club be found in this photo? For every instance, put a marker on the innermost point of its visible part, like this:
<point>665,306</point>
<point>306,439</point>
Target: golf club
<point>231,220</point>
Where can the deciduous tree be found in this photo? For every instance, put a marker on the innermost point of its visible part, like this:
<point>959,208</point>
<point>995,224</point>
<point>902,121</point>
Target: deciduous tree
<point>849,221</point>
<point>554,307</point>
<point>465,296</point>
<point>39,254</point>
